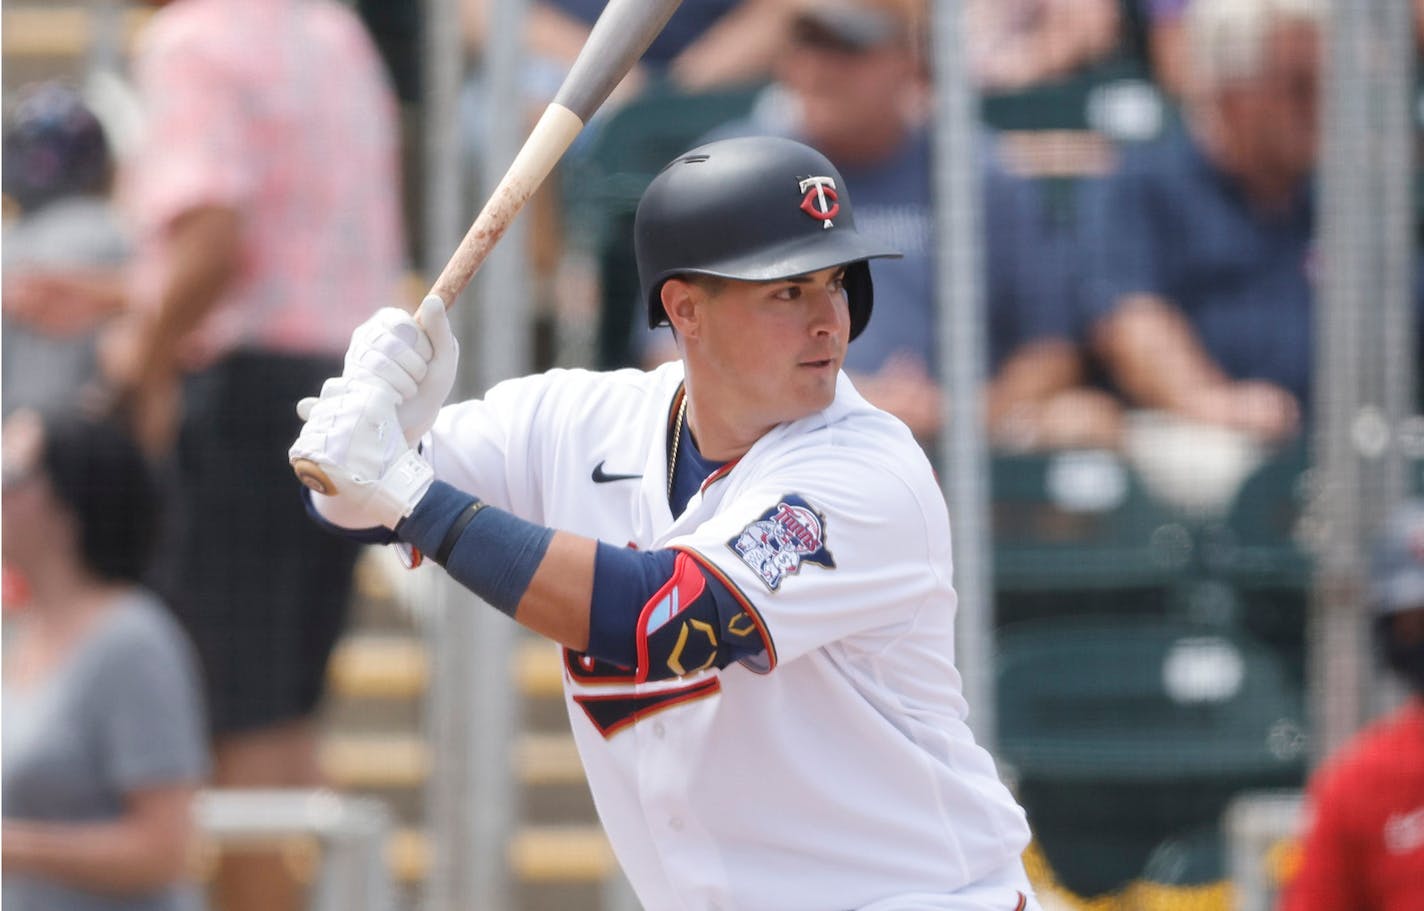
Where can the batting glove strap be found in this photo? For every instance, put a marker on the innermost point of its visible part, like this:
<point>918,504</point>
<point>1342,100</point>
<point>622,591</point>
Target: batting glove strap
<point>402,487</point>
<point>362,503</point>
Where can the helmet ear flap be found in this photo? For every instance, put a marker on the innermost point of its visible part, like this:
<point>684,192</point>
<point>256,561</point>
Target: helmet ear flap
<point>860,295</point>
<point>657,314</point>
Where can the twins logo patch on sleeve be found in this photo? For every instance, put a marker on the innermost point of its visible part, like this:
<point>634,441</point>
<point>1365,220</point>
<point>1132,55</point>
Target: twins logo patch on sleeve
<point>784,537</point>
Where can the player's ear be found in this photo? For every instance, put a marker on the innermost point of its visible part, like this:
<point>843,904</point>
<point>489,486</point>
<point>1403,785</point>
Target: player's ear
<point>681,301</point>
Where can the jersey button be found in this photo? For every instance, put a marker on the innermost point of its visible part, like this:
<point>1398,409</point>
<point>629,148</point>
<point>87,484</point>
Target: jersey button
<point>658,730</point>
<point>675,823</point>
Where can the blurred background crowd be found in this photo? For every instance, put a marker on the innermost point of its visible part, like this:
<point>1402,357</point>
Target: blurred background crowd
<point>203,197</point>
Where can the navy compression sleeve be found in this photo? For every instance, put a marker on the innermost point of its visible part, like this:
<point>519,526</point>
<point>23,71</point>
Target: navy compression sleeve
<point>623,581</point>
<point>491,552</point>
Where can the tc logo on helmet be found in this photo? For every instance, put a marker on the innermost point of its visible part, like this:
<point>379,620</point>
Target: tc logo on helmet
<point>820,200</point>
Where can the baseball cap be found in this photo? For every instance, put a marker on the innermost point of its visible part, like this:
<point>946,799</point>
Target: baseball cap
<point>53,147</point>
<point>1399,561</point>
<point>855,25</point>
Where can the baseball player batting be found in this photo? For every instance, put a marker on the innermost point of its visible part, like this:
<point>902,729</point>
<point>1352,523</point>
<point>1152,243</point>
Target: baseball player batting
<point>747,564</point>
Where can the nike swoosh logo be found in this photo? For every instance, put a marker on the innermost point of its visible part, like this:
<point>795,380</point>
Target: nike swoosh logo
<point>602,477</point>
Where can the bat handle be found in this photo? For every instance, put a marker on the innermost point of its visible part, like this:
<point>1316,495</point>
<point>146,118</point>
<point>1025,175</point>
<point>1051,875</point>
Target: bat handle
<point>310,474</point>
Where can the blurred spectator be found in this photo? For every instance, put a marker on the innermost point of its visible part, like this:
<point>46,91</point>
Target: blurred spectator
<point>853,84</point>
<point>57,172</point>
<point>1015,44</point>
<point>1167,43</point>
<point>1364,848</point>
<point>265,200</point>
<point>1200,246</point>
<point>104,743</point>
<point>706,43</point>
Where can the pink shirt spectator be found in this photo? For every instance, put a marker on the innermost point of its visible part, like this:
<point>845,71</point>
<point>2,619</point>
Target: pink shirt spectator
<point>281,111</point>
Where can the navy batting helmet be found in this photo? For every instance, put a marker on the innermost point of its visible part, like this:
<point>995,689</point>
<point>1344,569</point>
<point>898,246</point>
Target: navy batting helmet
<point>757,208</point>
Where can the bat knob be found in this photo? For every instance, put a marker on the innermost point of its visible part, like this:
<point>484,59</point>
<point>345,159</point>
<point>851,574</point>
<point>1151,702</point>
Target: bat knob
<point>310,474</point>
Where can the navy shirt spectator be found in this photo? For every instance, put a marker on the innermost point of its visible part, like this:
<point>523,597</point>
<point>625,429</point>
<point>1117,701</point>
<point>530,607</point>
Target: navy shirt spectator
<point>1199,247</point>
<point>852,84</point>
<point>706,44</point>
<point>1023,293</point>
<point>689,21</point>
<point>1171,224</point>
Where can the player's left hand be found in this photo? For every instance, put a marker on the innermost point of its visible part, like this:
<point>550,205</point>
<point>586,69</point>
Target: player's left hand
<point>352,432</point>
<point>415,355</point>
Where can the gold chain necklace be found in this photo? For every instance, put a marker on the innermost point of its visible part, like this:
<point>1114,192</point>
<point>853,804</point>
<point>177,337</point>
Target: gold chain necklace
<point>676,442</point>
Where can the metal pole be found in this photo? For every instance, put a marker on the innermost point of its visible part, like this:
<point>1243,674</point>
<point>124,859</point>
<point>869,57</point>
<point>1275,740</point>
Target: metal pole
<point>445,187</point>
<point>962,346</point>
<point>467,803</point>
<point>1364,363</point>
<point>502,317</point>
<point>106,39</point>
<point>502,285</point>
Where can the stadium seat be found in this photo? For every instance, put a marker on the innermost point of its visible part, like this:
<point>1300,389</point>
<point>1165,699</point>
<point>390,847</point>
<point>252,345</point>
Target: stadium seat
<point>1257,545</point>
<point>1123,731</point>
<point>1256,551</point>
<point>1074,525</point>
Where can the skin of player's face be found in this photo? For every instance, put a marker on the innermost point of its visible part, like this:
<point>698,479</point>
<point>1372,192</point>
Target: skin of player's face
<point>763,353</point>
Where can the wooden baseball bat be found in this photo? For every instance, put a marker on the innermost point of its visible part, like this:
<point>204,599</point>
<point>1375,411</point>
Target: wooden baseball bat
<point>619,37</point>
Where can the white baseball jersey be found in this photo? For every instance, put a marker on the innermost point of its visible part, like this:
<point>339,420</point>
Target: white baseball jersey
<point>836,769</point>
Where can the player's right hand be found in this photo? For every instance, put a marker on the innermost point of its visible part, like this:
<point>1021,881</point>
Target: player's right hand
<point>352,432</point>
<point>414,355</point>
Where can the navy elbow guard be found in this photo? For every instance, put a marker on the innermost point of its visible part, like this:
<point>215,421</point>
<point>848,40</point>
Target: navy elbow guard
<point>692,623</point>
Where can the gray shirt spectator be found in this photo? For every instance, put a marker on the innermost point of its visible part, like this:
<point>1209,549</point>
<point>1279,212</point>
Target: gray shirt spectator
<point>122,712</point>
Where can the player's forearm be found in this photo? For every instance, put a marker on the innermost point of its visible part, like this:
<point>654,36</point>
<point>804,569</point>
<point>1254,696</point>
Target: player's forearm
<point>628,607</point>
<point>118,858</point>
<point>558,601</point>
<point>541,578</point>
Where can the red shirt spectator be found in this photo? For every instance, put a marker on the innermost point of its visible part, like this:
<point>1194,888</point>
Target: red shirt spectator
<point>1364,850</point>
<point>1365,845</point>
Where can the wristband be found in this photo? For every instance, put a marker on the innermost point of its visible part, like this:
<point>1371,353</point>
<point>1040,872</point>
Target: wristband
<point>448,544</point>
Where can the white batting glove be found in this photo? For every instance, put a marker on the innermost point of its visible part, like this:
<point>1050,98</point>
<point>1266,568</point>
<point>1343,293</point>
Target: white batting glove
<point>353,433</point>
<point>415,355</point>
